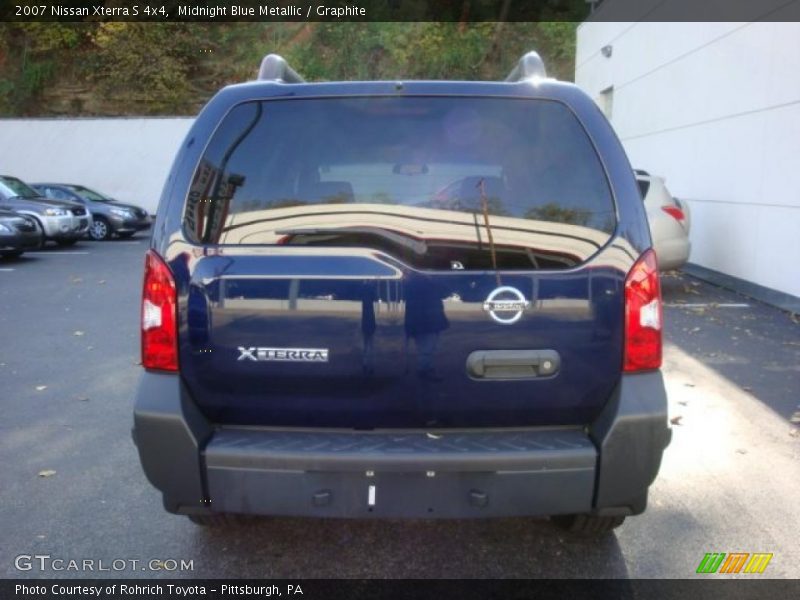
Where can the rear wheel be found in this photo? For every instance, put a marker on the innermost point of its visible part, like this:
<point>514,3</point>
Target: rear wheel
<point>66,242</point>
<point>99,230</point>
<point>590,524</point>
<point>11,254</point>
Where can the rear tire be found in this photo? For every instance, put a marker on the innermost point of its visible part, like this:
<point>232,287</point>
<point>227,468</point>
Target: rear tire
<point>100,230</point>
<point>587,524</point>
<point>12,254</point>
<point>217,520</point>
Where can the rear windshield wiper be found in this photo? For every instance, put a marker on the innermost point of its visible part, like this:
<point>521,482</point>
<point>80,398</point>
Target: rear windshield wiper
<point>485,207</point>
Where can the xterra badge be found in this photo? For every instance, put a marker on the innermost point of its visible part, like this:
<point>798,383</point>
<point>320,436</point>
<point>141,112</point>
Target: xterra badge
<point>506,305</point>
<point>284,354</point>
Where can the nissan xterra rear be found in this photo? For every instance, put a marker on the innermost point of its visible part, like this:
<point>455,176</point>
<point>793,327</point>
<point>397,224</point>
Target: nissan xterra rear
<point>402,299</point>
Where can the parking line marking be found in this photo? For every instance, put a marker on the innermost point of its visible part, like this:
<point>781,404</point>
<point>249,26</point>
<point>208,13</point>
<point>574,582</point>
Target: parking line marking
<point>6,270</point>
<point>708,305</point>
<point>57,253</point>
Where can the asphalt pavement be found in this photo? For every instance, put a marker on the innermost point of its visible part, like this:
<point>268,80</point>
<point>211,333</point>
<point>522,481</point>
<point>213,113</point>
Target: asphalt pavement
<point>71,486</point>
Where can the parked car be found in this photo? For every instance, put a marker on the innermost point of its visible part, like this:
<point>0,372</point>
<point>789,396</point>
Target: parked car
<point>63,222</point>
<point>325,334</point>
<point>109,217</point>
<point>17,234</point>
<point>670,221</point>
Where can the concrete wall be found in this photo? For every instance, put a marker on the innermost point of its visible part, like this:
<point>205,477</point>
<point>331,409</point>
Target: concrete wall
<point>128,159</point>
<point>715,108</point>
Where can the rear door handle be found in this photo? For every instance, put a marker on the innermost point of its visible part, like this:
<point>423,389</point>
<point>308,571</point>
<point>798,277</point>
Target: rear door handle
<point>512,364</point>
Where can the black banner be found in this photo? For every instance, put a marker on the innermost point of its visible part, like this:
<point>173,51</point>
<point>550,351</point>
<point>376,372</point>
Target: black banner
<point>398,10</point>
<point>320,589</point>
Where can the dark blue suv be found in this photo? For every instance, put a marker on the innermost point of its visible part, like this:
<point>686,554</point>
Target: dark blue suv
<point>402,299</point>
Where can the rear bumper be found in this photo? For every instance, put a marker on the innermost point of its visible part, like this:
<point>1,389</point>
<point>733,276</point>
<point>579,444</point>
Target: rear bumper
<point>605,468</point>
<point>673,253</point>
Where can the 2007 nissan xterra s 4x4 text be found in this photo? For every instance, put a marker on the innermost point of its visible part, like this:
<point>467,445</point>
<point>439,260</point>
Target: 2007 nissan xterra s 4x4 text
<point>402,299</point>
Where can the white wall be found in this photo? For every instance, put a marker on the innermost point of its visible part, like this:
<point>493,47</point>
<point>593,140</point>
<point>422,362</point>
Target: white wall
<point>128,159</point>
<point>715,108</point>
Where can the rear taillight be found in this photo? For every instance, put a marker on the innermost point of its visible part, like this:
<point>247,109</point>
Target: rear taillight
<point>159,326</point>
<point>674,212</point>
<point>643,315</point>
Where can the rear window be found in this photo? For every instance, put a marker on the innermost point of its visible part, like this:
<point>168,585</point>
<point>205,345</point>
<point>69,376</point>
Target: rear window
<point>424,178</point>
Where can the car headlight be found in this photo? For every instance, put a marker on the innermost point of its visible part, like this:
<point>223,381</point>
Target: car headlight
<point>5,229</point>
<point>120,212</point>
<point>55,212</point>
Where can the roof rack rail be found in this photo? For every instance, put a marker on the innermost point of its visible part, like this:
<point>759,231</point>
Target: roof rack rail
<point>529,66</point>
<point>275,68</point>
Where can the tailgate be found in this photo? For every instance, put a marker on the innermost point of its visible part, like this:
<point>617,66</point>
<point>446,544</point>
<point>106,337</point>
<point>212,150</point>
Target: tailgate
<point>401,262</point>
<point>359,340</point>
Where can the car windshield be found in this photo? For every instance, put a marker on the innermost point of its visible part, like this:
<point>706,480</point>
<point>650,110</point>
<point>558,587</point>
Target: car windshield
<point>88,194</point>
<point>11,186</point>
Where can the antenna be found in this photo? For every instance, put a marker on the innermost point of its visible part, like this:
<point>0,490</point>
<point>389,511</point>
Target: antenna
<point>275,68</point>
<point>529,66</point>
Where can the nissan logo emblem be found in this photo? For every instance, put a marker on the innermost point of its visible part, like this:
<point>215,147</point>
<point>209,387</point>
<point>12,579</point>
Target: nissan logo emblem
<point>506,305</point>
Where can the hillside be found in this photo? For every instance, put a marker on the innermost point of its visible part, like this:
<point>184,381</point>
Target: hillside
<point>89,69</point>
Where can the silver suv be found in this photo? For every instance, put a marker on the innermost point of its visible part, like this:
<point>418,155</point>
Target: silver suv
<point>63,222</point>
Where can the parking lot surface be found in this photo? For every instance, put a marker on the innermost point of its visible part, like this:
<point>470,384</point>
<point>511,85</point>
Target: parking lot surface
<point>71,486</point>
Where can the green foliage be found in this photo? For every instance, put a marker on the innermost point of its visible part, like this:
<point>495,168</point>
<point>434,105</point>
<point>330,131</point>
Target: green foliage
<point>146,66</point>
<point>172,68</point>
<point>28,60</point>
<point>465,51</point>
<point>49,37</point>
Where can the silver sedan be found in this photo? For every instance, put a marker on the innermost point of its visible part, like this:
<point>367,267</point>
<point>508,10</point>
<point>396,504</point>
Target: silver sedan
<point>670,221</point>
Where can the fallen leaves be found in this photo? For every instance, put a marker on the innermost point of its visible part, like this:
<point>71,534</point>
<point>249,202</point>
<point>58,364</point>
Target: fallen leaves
<point>78,333</point>
<point>676,420</point>
<point>41,388</point>
<point>46,473</point>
